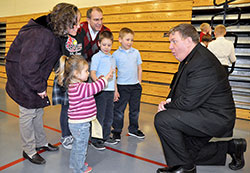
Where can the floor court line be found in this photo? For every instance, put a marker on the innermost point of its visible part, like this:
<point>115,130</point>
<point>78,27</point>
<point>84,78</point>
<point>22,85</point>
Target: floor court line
<point>59,131</point>
<point>11,164</point>
<point>136,157</point>
<point>21,159</point>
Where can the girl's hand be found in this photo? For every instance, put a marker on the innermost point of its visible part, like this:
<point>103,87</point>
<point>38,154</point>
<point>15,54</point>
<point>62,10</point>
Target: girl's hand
<point>100,76</point>
<point>110,74</point>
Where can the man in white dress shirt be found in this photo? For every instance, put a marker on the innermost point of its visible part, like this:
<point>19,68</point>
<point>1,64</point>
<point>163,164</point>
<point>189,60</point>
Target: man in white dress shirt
<point>223,49</point>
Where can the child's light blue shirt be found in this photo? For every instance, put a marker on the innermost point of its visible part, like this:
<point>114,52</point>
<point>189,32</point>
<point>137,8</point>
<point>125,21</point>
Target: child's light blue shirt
<point>102,63</point>
<point>127,62</point>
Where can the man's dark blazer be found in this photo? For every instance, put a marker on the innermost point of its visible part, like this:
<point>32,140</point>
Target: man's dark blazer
<point>201,96</point>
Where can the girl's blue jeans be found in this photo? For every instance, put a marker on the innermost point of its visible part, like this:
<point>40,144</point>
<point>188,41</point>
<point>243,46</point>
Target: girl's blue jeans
<point>80,133</point>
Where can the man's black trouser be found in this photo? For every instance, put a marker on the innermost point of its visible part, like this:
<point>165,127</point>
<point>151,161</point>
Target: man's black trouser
<point>183,145</point>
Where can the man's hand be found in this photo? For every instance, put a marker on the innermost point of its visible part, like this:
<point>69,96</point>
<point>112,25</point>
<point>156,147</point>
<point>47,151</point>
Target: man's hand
<point>43,94</point>
<point>161,106</point>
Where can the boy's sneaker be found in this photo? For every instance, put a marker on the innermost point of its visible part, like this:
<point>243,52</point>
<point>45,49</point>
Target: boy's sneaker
<point>111,141</point>
<point>137,134</point>
<point>99,145</point>
<point>117,136</point>
<point>67,142</point>
<point>89,169</point>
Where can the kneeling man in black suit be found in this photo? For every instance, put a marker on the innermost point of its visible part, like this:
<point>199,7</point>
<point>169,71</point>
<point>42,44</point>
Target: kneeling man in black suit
<point>199,107</point>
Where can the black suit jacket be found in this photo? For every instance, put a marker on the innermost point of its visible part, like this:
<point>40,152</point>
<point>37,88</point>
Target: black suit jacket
<point>201,95</point>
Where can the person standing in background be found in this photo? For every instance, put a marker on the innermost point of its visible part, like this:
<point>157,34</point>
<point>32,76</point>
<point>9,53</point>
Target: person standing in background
<point>91,29</point>
<point>206,39</point>
<point>205,29</point>
<point>71,44</point>
<point>84,43</point>
<point>223,49</point>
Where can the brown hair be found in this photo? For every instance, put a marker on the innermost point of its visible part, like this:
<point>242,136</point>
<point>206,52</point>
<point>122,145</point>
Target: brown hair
<point>186,30</point>
<point>206,38</point>
<point>67,67</point>
<point>93,9</point>
<point>220,30</point>
<point>125,31</point>
<point>105,34</point>
<point>63,16</point>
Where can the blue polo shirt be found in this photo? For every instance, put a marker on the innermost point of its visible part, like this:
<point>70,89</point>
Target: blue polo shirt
<point>102,63</point>
<point>127,62</point>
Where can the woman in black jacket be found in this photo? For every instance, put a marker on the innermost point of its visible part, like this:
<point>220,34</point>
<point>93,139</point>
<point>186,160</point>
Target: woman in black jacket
<point>29,62</point>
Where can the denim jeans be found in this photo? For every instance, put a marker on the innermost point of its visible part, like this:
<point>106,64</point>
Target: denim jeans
<point>80,133</point>
<point>105,106</point>
<point>130,94</point>
<point>64,121</point>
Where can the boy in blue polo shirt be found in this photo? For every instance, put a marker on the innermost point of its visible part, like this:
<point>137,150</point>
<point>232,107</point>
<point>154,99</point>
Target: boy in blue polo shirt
<point>101,64</point>
<point>128,62</point>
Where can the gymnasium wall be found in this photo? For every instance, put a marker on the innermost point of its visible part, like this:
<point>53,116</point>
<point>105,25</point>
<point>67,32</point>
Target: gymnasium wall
<point>150,20</point>
<point>17,7</point>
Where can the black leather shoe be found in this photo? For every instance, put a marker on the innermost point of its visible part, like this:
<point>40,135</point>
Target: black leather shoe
<point>166,169</point>
<point>50,147</point>
<point>37,159</point>
<point>176,169</point>
<point>237,149</point>
<point>183,170</point>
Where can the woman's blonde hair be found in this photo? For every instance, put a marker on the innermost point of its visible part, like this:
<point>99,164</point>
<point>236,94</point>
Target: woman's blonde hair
<point>67,67</point>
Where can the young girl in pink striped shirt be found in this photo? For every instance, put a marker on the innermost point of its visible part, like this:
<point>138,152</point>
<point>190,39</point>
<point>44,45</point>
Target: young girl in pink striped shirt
<point>72,73</point>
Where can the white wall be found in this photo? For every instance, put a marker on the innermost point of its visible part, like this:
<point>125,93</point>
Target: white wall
<point>20,7</point>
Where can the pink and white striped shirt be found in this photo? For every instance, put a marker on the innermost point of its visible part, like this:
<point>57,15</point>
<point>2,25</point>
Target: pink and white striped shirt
<point>82,106</point>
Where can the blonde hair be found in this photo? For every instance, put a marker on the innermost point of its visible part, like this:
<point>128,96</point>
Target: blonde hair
<point>220,30</point>
<point>67,67</point>
<point>125,31</point>
<point>204,27</point>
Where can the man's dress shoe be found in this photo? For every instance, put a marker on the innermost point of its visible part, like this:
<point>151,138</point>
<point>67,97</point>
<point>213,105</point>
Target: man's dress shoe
<point>37,159</point>
<point>176,169</point>
<point>50,147</point>
<point>165,169</point>
<point>238,146</point>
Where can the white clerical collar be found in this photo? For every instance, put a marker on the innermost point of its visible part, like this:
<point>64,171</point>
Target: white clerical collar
<point>92,33</point>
